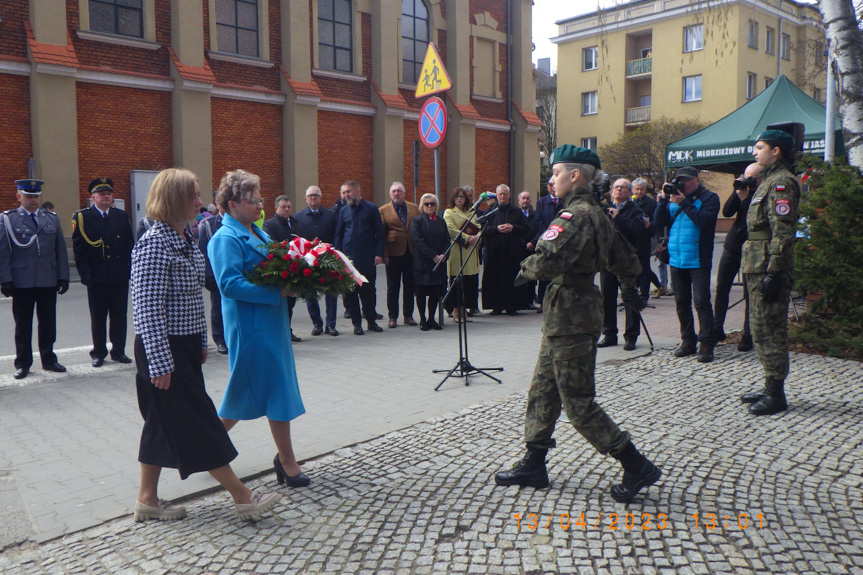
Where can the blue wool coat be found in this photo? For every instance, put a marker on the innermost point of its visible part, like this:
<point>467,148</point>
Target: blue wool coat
<point>263,379</point>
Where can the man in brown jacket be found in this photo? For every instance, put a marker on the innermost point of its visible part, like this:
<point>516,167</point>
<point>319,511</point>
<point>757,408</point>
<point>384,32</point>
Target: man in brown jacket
<point>398,253</point>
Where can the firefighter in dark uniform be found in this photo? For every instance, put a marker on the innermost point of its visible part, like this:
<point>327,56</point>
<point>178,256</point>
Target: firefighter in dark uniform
<point>578,244</point>
<point>34,268</point>
<point>768,265</point>
<point>102,242</point>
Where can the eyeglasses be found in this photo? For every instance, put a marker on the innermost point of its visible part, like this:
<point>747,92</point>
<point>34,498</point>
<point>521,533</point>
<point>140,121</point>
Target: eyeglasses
<point>254,202</point>
<point>313,195</point>
<point>621,187</point>
<point>427,204</point>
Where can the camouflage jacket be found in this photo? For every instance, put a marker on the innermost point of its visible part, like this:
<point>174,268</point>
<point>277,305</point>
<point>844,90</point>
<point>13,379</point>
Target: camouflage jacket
<point>580,242</point>
<point>771,223</point>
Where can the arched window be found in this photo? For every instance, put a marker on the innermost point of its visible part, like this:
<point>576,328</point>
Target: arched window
<point>415,38</point>
<point>335,34</point>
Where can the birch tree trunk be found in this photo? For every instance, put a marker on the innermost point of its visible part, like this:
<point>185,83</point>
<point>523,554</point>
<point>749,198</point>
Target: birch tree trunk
<point>846,48</point>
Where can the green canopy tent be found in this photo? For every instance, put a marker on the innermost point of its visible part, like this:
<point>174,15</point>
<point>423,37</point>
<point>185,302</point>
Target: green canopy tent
<point>726,145</point>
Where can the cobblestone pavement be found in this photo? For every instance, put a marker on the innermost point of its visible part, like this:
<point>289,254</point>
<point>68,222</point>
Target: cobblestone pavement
<point>778,494</point>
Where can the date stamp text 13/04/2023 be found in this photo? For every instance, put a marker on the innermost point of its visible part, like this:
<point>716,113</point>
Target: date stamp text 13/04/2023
<point>630,521</point>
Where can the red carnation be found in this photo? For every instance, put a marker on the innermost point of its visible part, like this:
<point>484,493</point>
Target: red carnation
<point>269,256</point>
<point>294,267</point>
<point>285,274</point>
<point>334,274</point>
<point>323,280</point>
<point>340,277</point>
<point>316,263</point>
<point>307,272</point>
<point>286,257</point>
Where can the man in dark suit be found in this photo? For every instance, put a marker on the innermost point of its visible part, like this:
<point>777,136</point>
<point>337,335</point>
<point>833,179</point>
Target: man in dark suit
<point>360,235</point>
<point>502,236</point>
<point>283,226</point>
<point>546,208</point>
<point>34,268</point>
<point>398,253</point>
<point>206,228</point>
<point>629,221</point>
<point>317,222</point>
<point>528,290</point>
<point>102,241</point>
<point>647,205</point>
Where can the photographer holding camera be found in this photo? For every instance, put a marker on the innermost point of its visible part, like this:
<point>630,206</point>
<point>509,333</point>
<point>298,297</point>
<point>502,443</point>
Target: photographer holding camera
<point>735,206</point>
<point>689,210</point>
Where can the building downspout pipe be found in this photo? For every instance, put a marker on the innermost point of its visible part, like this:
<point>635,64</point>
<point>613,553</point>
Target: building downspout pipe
<point>509,92</point>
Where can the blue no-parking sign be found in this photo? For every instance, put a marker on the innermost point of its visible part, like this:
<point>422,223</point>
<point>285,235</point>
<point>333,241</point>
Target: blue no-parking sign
<point>432,124</point>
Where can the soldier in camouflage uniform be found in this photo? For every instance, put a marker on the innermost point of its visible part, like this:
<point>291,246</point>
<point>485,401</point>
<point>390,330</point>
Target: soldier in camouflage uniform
<point>578,244</point>
<point>768,265</point>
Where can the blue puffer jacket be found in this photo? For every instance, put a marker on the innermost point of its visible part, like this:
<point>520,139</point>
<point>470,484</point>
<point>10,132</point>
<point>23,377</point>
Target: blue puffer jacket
<point>690,242</point>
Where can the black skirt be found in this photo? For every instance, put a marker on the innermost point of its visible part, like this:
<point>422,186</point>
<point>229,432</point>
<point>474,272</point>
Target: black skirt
<point>182,429</point>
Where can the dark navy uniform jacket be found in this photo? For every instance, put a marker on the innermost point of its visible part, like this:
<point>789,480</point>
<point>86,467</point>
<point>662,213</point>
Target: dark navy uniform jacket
<point>321,226</point>
<point>105,254</point>
<point>360,235</point>
<point>44,261</point>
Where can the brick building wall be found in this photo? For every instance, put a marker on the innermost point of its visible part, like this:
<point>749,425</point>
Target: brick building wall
<point>13,40</point>
<point>492,160</point>
<point>344,153</point>
<point>16,146</point>
<point>120,130</point>
<point>248,136</point>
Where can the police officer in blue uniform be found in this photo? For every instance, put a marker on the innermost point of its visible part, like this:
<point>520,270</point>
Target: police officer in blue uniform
<point>34,268</point>
<point>102,242</point>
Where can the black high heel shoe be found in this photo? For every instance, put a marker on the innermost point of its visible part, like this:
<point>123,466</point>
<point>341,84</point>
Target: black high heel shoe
<point>301,480</point>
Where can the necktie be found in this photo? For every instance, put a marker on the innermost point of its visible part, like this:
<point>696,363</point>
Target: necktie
<point>525,213</point>
<point>104,215</point>
<point>554,200</point>
<point>35,221</point>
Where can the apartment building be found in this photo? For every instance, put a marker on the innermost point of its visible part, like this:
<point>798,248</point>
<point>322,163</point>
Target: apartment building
<point>301,92</point>
<point>619,68</point>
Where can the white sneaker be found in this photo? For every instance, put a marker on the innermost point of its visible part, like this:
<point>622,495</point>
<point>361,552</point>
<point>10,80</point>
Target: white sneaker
<point>261,503</point>
<point>164,512</point>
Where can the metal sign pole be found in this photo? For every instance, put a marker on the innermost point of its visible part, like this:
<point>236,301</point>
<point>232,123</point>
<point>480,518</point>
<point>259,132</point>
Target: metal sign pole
<point>437,174</point>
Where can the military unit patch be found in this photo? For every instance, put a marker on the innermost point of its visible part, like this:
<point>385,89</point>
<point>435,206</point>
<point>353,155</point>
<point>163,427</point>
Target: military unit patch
<point>782,207</point>
<point>565,215</point>
<point>552,232</point>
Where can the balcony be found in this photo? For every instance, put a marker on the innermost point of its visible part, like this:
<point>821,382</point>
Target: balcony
<point>639,67</point>
<point>638,115</point>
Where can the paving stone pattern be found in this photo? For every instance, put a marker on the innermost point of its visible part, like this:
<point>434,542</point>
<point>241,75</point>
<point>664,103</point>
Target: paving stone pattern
<point>422,500</point>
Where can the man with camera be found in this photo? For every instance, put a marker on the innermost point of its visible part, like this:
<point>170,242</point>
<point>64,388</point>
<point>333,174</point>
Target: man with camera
<point>736,207</point>
<point>689,210</point>
<point>629,221</point>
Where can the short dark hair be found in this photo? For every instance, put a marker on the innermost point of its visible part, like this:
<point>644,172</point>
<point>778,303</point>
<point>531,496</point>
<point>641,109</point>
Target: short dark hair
<point>282,198</point>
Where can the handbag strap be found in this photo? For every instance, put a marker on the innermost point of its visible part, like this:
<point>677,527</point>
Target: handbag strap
<point>668,233</point>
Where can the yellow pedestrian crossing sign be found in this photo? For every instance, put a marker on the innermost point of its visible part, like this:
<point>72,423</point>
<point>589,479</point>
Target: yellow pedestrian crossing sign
<point>433,77</point>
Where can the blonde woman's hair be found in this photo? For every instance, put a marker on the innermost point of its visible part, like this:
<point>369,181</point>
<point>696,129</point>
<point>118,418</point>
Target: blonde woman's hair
<point>170,195</point>
<point>236,186</point>
<point>428,197</point>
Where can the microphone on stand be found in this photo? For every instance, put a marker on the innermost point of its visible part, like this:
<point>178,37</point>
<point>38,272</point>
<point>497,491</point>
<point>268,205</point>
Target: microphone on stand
<point>483,197</point>
<point>487,215</point>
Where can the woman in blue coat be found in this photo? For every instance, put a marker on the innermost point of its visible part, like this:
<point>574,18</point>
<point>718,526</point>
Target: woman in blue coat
<point>263,379</point>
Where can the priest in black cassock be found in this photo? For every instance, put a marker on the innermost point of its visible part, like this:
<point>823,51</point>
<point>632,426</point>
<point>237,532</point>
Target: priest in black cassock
<point>502,235</point>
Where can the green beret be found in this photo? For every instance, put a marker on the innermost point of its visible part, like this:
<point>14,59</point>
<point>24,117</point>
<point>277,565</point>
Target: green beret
<point>776,138</point>
<point>569,154</point>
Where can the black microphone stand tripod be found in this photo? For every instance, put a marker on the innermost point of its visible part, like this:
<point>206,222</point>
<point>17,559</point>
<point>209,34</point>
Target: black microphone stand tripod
<point>463,368</point>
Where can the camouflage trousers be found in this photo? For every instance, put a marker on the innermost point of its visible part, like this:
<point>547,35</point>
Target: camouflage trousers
<point>769,325</point>
<point>564,378</point>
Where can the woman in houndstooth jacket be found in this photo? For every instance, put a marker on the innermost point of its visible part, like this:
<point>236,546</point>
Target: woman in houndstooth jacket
<point>181,427</point>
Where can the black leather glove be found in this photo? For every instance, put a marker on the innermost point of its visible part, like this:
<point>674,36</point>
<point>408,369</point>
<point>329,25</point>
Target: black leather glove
<point>631,300</point>
<point>520,280</point>
<point>62,286</point>
<point>771,288</point>
<point>7,289</point>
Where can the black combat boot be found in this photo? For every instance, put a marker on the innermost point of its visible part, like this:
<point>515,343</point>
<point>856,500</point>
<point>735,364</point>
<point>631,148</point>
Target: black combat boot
<point>755,396</point>
<point>529,472</point>
<point>638,473</point>
<point>774,401</point>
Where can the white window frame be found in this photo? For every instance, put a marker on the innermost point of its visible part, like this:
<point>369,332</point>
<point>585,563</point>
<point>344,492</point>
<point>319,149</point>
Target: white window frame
<point>589,143</point>
<point>696,80</point>
<point>594,51</point>
<point>785,46</point>
<point>693,38</point>
<point>753,34</point>
<point>589,103</point>
<point>751,85</point>
<point>770,40</point>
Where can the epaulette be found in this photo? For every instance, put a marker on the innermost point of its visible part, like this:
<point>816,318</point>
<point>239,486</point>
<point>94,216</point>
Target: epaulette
<point>11,211</point>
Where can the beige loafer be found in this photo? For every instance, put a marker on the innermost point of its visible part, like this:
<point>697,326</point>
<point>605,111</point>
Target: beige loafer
<point>164,512</point>
<point>260,504</point>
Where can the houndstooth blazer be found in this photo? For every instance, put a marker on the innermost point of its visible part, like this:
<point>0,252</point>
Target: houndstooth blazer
<point>166,283</point>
